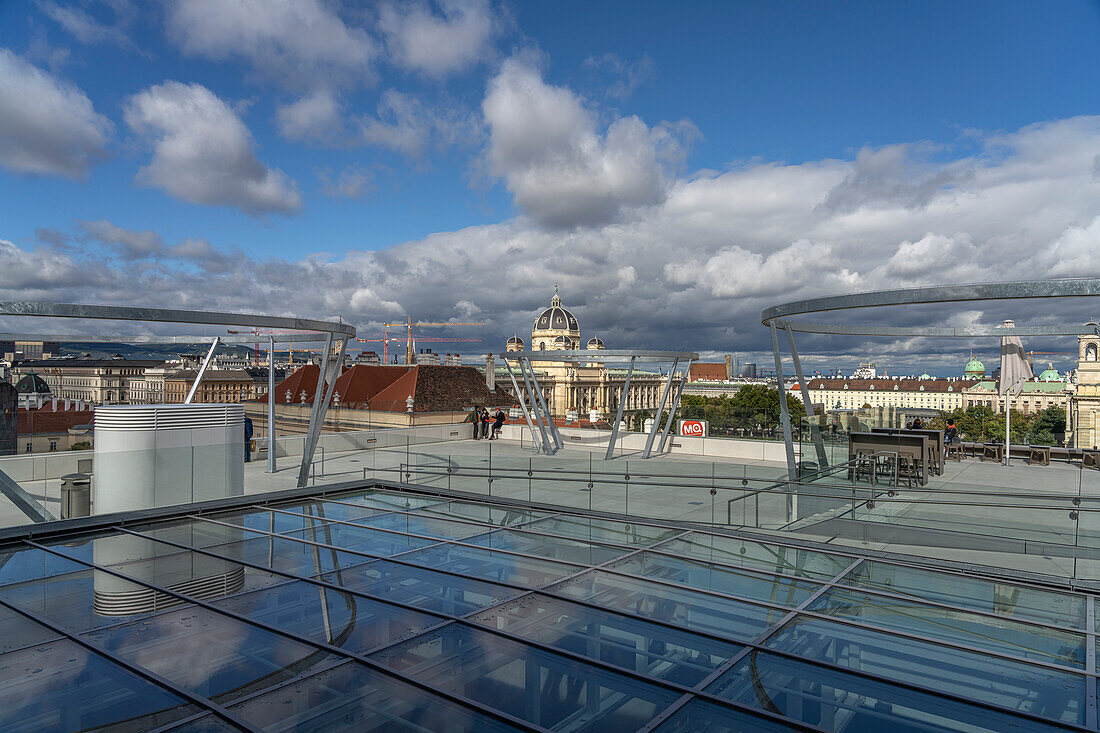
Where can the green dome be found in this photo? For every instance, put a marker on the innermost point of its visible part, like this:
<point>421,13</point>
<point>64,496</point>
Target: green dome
<point>975,366</point>
<point>1050,374</point>
<point>926,375</point>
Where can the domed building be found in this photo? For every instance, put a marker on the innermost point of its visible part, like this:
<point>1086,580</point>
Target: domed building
<point>974,369</point>
<point>1050,374</point>
<point>582,385</point>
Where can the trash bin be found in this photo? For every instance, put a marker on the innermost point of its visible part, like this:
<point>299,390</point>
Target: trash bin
<point>76,495</point>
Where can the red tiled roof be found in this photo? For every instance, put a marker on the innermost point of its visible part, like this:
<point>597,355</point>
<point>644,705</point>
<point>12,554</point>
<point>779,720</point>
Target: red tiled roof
<point>302,379</point>
<point>433,388</point>
<point>45,420</point>
<point>707,372</point>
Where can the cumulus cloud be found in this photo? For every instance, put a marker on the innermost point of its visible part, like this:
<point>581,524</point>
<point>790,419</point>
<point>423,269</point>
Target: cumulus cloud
<point>203,153</point>
<point>84,27</point>
<point>293,41</point>
<point>48,126</point>
<point>314,117</point>
<point>438,44</point>
<point>559,168</point>
<point>694,270</point>
<point>619,77</point>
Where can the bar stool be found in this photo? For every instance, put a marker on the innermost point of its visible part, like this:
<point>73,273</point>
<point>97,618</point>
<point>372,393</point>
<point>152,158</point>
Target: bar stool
<point>865,466</point>
<point>952,451</point>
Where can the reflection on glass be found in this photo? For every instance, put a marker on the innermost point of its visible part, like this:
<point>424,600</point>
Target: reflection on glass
<point>390,500</point>
<point>701,715</point>
<point>1014,685</point>
<point>603,530</point>
<point>555,548</point>
<point>528,683</point>
<point>429,526</point>
<point>352,698</point>
<point>486,513</point>
<point>837,700</point>
<point>1004,599</point>
<point>632,643</point>
<point>420,587</point>
<point>680,606</point>
<point>708,576</point>
<point>361,539</point>
<point>327,510</point>
<point>528,572</point>
<point>207,724</point>
<point>61,686</point>
<point>18,564</point>
<point>1001,635</point>
<point>758,556</point>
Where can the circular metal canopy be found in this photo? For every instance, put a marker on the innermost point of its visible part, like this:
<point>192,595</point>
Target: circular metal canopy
<point>779,315</point>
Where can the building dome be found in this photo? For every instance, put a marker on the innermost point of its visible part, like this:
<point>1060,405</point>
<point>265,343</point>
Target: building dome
<point>32,384</point>
<point>514,344</point>
<point>926,375</point>
<point>1050,374</point>
<point>974,368</point>
<point>561,342</point>
<point>595,344</point>
<point>556,318</point>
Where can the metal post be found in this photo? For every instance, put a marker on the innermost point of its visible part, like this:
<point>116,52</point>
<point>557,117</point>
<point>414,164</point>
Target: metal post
<point>660,407</point>
<point>271,404</point>
<point>619,412</point>
<point>316,415</point>
<point>784,417</point>
<point>545,410</point>
<point>202,370</point>
<point>547,445</point>
<point>1008,422</point>
<point>672,412</point>
<point>523,406</point>
<point>815,432</point>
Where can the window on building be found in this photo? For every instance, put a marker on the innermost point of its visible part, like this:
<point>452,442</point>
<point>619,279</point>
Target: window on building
<point>29,445</point>
<point>53,445</point>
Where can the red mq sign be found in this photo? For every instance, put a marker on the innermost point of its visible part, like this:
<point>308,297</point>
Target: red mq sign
<point>694,428</point>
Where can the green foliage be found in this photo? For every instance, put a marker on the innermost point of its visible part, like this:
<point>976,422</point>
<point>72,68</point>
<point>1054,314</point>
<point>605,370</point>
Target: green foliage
<point>1048,427</point>
<point>982,424</point>
<point>754,407</point>
<point>82,445</point>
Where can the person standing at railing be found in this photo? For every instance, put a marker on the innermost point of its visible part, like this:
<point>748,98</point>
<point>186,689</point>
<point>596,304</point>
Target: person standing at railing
<point>475,418</point>
<point>247,439</point>
<point>486,421</point>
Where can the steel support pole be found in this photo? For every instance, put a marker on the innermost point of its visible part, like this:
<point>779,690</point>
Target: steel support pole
<point>547,443</point>
<point>785,419</point>
<point>815,431</point>
<point>314,427</point>
<point>672,412</point>
<point>523,405</point>
<point>545,410</point>
<point>202,370</point>
<point>660,408</point>
<point>619,411</point>
<point>271,404</point>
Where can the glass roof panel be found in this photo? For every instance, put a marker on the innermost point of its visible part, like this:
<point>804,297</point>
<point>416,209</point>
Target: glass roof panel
<point>554,548</point>
<point>708,576</point>
<point>327,510</point>
<point>1005,599</point>
<point>702,715</point>
<point>1013,685</point>
<point>836,700</point>
<point>1000,635</point>
<point>206,724</point>
<point>420,587</point>
<point>528,572</point>
<point>501,516</point>
<point>61,686</point>
<point>596,529</point>
<point>362,539</point>
<point>632,643</point>
<point>350,697</point>
<point>758,556</point>
<point>528,683</point>
<point>413,523</point>
<point>680,606</point>
<point>391,500</point>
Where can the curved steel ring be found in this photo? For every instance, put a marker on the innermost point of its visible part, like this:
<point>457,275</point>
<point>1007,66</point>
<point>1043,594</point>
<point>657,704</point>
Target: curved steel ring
<point>1018,290</point>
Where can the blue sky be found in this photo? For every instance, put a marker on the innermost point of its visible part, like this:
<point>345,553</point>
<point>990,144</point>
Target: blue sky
<point>692,161</point>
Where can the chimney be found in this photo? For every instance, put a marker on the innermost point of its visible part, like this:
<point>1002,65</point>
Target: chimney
<point>729,367</point>
<point>490,373</point>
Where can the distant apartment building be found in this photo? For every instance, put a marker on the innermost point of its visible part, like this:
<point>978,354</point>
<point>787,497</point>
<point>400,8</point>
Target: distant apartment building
<point>22,350</point>
<point>100,381</point>
<point>55,426</point>
<point>217,386</point>
<point>1048,389</point>
<point>924,392</point>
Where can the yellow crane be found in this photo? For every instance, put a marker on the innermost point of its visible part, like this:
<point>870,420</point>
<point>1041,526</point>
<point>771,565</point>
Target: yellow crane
<point>408,326</point>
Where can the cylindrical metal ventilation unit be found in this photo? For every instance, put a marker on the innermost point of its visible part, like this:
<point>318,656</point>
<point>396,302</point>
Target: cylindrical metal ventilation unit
<point>161,455</point>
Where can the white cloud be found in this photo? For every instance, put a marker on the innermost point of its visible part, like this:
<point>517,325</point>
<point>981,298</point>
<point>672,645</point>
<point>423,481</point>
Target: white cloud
<point>407,125</point>
<point>619,78</point>
<point>692,271</point>
<point>294,41</point>
<point>314,117</point>
<point>48,126</point>
<point>203,153</point>
<point>129,243</point>
<point>351,183</point>
<point>87,29</point>
<point>558,167</point>
<point>438,45</point>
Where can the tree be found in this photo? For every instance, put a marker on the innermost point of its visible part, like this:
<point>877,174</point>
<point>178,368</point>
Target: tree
<point>1048,427</point>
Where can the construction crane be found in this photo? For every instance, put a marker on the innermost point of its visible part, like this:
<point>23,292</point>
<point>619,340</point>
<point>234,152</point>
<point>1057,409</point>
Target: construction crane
<point>1047,353</point>
<point>408,326</point>
<point>259,332</point>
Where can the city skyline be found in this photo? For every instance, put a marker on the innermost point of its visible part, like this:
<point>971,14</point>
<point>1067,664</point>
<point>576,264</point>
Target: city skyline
<point>455,160</point>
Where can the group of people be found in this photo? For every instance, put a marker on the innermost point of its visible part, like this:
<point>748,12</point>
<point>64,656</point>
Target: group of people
<point>486,424</point>
<point>950,432</point>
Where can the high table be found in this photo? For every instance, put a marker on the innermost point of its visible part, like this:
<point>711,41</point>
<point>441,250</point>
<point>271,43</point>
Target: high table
<point>912,447</point>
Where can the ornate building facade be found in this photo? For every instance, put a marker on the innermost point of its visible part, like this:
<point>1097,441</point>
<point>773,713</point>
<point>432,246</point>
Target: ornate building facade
<point>1084,408</point>
<point>584,386</point>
